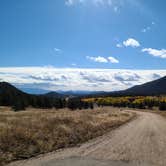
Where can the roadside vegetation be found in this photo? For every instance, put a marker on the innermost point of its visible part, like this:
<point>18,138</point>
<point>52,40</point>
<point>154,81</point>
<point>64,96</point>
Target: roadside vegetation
<point>140,102</point>
<point>35,131</point>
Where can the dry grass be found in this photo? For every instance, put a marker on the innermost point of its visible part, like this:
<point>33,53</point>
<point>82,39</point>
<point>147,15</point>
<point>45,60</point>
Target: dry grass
<point>32,132</point>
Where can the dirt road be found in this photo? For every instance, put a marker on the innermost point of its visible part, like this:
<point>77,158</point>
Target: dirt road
<point>140,142</point>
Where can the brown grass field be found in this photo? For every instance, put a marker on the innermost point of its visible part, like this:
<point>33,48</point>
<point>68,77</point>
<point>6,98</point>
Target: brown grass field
<point>34,131</point>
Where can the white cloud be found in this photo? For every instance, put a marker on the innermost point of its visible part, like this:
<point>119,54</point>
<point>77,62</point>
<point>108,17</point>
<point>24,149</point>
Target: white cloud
<point>69,2</point>
<point>116,9</point>
<point>114,5</point>
<point>146,29</point>
<point>119,45</point>
<point>113,60</point>
<point>99,59</point>
<point>51,78</point>
<point>131,43</point>
<point>57,50</point>
<point>154,52</point>
<point>74,64</point>
<point>95,2</point>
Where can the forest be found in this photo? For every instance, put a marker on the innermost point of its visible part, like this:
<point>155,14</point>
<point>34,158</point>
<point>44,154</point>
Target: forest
<point>140,102</point>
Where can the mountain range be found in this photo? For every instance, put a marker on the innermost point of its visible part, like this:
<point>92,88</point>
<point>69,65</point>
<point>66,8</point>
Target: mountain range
<point>153,88</point>
<point>156,87</point>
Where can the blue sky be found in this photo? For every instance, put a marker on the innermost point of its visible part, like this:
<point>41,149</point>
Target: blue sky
<point>62,34</point>
<point>102,34</point>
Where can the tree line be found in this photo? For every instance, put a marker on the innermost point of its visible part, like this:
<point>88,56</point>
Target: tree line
<point>141,102</point>
<point>21,101</point>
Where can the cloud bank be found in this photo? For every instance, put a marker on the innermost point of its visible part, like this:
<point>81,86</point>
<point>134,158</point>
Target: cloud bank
<point>50,78</point>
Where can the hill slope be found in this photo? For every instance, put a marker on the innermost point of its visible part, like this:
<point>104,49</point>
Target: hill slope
<point>156,87</point>
<point>153,88</point>
<point>9,94</point>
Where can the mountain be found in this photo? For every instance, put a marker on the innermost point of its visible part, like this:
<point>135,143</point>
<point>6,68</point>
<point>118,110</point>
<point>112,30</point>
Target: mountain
<point>10,94</point>
<point>156,87</point>
<point>62,94</point>
<point>55,95</point>
<point>79,92</point>
<point>34,91</point>
<point>6,88</point>
<point>153,88</point>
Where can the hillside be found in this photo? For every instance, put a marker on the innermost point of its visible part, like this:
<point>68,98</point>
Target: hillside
<point>6,88</point>
<point>18,100</point>
<point>156,87</point>
<point>11,96</point>
<point>153,88</point>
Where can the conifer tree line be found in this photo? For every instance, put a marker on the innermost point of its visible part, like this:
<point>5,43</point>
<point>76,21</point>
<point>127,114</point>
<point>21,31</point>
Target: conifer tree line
<point>20,102</point>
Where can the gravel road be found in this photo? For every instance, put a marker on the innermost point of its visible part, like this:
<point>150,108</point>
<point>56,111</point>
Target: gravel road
<point>139,142</point>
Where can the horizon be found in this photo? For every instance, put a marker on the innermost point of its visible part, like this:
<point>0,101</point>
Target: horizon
<point>76,79</point>
<point>106,45</point>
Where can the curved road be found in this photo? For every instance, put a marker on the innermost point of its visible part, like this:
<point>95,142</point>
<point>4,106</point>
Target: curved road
<point>140,142</point>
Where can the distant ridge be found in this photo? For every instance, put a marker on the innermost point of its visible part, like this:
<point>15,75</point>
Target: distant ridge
<point>9,94</point>
<point>152,88</point>
<point>55,95</point>
<point>34,91</point>
<point>6,88</point>
<point>156,87</point>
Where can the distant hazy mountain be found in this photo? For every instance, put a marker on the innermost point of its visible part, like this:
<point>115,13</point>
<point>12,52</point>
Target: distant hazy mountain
<point>79,93</point>
<point>34,91</point>
<point>55,95</point>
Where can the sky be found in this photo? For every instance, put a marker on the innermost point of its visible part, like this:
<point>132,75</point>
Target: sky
<point>94,44</point>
